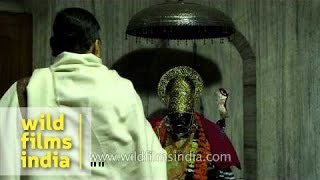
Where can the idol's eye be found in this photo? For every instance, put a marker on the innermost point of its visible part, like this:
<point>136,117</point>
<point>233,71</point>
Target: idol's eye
<point>179,118</point>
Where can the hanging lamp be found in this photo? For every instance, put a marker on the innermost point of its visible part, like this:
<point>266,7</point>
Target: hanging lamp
<point>180,20</point>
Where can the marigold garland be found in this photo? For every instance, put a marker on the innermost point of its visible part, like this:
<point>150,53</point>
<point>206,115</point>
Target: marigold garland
<point>201,166</point>
<point>202,149</point>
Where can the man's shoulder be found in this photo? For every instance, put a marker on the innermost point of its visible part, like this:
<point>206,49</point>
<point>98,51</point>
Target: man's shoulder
<point>10,98</point>
<point>111,88</point>
<point>120,82</point>
<point>39,72</point>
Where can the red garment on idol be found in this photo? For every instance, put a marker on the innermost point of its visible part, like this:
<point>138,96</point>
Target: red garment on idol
<point>219,142</point>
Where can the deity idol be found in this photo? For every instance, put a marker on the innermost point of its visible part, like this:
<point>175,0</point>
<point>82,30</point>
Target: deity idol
<point>197,148</point>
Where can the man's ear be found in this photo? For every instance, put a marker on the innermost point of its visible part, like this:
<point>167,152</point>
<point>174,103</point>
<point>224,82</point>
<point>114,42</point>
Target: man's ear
<point>96,50</point>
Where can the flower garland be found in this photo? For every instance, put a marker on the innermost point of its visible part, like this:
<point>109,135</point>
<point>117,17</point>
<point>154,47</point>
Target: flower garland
<point>201,165</point>
<point>200,147</point>
<point>191,162</point>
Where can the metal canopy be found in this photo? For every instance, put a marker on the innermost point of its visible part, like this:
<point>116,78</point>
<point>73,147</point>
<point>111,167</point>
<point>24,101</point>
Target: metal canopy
<point>180,20</point>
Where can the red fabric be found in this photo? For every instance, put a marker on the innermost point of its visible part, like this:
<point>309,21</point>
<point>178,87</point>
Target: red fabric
<point>159,128</point>
<point>155,122</point>
<point>219,142</point>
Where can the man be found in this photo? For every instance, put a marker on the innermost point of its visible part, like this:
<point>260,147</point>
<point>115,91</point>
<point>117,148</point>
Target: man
<point>79,79</point>
<point>185,133</point>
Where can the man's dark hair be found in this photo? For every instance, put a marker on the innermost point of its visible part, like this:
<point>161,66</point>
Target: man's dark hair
<point>74,30</point>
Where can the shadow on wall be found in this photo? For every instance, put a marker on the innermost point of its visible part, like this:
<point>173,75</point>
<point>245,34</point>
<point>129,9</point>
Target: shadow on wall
<point>144,67</point>
<point>160,113</point>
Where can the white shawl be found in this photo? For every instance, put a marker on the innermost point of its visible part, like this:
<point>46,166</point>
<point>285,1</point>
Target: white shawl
<point>118,121</point>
